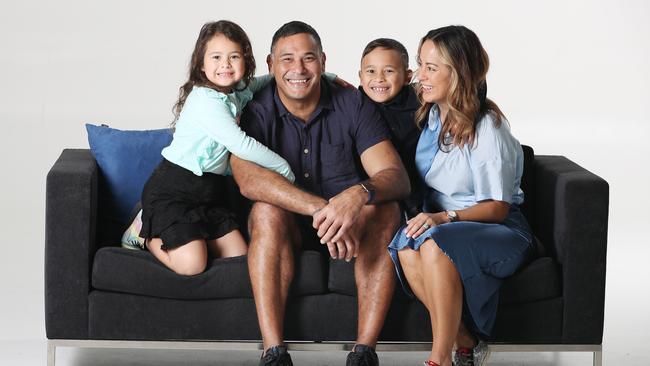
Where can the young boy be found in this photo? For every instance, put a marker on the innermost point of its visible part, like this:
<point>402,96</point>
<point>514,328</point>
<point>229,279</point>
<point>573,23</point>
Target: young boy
<point>385,78</point>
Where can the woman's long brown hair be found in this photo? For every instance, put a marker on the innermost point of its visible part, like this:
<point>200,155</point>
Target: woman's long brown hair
<point>461,51</point>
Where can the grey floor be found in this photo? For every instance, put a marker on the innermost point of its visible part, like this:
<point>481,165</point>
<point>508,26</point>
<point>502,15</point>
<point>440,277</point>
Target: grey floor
<point>34,352</point>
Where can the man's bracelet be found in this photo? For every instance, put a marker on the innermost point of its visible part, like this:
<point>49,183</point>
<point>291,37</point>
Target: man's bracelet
<point>370,190</point>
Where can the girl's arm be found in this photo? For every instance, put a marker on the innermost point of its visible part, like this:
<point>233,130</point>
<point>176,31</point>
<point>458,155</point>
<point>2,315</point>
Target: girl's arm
<point>211,113</point>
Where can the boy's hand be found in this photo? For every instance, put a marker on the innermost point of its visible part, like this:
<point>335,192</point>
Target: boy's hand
<point>344,83</point>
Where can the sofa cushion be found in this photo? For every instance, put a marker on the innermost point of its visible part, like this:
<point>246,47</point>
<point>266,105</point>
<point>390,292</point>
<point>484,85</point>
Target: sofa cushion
<point>341,277</point>
<point>126,160</point>
<point>539,280</point>
<point>341,280</point>
<point>138,272</point>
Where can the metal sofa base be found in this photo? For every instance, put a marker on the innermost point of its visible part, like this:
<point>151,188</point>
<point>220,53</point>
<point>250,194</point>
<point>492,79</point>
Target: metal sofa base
<point>53,344</point>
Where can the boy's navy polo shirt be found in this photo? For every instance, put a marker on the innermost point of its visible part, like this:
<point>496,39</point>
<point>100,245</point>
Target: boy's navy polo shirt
<point>324,152</point>
<point>399,114</point>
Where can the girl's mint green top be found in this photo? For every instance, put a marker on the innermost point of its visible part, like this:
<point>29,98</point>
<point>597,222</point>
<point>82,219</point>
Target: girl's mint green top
<point>207,130</point>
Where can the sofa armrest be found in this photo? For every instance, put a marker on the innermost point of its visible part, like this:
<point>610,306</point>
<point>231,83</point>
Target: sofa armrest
<point>571,220</point>
<point>70,221</point>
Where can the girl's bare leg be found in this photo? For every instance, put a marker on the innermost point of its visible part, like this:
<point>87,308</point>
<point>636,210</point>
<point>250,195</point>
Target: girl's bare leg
<point>188,260</point>
<point>229,245</point>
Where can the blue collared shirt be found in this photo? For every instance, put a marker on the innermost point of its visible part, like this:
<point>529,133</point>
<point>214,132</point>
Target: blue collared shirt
<point>490,169</point>
<point>323,152</point>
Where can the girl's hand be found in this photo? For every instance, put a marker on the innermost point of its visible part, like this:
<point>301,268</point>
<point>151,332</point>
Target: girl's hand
<point>422,222</point>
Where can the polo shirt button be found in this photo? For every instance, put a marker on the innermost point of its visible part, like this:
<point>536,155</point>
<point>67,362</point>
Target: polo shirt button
<point>306,175</point>
<point>306,151</point>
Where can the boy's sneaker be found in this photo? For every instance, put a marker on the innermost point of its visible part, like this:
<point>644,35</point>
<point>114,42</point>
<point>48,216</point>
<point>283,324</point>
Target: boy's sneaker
<point>362,355</point>
<point>472,357</point>
<point>276,356</point>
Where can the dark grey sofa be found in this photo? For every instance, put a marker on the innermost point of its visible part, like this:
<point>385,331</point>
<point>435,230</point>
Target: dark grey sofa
<point>97,292</point>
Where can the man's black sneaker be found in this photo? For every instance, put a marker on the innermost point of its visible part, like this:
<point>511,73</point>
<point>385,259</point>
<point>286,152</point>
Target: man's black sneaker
<point>276,356</point>
<point>362,355</point>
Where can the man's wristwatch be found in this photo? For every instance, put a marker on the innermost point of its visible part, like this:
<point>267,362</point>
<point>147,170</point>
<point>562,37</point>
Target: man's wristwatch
<point>452,216</point>
<point>370,190</point>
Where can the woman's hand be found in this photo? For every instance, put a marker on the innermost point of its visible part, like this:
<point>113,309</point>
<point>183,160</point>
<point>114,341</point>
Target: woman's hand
<point>422,222</point>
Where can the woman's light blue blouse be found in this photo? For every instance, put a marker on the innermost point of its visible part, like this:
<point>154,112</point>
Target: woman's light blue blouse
<point>207,130</point>
<point>490,169</point>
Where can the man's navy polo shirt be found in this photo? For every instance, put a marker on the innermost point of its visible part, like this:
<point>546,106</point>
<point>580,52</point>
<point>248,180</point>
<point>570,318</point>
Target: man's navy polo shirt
<point>323,152</point>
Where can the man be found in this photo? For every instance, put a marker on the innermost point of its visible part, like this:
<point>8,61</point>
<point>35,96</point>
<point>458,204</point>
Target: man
<point>333,139</point>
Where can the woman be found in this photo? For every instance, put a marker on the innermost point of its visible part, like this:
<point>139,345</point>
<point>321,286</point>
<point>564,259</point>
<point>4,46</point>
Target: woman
<point>471,235</point>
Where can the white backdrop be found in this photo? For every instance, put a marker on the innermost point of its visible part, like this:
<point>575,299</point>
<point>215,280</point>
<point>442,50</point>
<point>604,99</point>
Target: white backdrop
<point>572,78</point>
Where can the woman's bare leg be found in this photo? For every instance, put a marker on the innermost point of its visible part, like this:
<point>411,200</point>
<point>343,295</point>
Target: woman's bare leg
<point>411,262</point>
<point>465,339</point>
<point>443,288</point>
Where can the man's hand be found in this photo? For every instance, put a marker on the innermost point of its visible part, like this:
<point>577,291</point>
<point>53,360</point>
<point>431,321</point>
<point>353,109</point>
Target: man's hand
<point>348,245</point>
<point>335,219</point>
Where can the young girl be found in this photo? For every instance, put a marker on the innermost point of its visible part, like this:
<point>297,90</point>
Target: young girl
<point>183,208</point>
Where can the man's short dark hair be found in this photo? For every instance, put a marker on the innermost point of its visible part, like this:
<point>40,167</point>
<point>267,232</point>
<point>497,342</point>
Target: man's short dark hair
<point>389,44</point>
<point>296,27</point>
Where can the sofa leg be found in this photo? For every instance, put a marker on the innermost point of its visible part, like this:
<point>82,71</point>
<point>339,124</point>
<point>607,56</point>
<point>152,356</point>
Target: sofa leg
<point>51,353</point>
<point>598,357</point>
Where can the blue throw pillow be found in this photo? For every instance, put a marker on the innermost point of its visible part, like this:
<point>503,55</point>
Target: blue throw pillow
<point>126,160</point>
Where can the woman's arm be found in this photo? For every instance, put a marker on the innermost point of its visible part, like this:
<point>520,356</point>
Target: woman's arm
<point>489,211</point>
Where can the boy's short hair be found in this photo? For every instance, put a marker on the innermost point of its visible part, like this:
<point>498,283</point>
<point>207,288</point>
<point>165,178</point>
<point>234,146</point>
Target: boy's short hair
<point>293,28</point>
<point>390,44</point>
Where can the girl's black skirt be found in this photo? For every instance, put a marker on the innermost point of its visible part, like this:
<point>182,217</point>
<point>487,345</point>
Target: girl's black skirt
<point>179,206</point>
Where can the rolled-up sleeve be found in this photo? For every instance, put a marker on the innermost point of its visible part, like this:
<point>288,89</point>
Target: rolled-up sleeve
<point>493,161</point>
<point>371,128</point>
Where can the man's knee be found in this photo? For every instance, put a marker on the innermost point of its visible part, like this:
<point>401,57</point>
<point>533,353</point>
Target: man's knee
<point>381,223</point>
<point>267,216</point>
<point>270,221</point>
<point>385,215</point>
